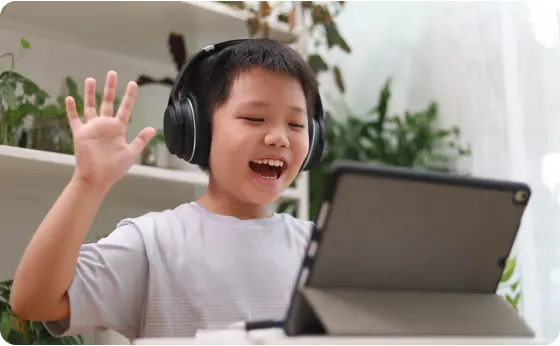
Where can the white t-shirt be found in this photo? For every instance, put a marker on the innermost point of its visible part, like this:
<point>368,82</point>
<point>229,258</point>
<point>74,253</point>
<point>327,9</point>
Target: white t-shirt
<point>171,273</point>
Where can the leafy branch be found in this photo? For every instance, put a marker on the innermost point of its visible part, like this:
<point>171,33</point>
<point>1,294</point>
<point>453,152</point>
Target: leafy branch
<point>319,21</point>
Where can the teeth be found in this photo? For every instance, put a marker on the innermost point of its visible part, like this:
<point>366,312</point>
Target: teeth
<point>269,178</point>
<point>270,162</point>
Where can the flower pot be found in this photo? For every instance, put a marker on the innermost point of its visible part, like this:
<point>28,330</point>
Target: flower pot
<point>173,162</point>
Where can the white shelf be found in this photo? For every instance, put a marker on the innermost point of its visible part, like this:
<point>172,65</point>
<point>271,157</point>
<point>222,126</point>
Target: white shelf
<point>32,180</point>
<point>137,29</point>
<point>31,165</point>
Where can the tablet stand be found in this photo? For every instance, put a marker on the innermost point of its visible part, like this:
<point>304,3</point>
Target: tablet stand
<point>353,312</point>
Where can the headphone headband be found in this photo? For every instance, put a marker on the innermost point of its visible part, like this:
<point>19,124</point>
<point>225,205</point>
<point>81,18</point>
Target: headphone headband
<point>184,73</point>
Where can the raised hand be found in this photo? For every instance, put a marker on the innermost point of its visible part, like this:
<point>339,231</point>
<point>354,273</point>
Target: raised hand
<point>103,156</point>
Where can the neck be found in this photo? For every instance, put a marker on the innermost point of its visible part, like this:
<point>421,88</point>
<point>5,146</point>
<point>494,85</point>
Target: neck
<point>222,203</point>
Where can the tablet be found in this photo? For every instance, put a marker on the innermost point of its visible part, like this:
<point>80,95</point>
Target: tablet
<point>393,228</point>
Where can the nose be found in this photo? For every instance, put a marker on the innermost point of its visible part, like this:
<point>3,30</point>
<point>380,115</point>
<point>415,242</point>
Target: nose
<point>277,138</point>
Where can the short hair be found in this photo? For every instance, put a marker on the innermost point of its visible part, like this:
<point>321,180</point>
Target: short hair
<point>216,74</point>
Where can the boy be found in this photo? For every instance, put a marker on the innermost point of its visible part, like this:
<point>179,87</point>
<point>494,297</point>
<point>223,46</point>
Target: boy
<point>205,264</point>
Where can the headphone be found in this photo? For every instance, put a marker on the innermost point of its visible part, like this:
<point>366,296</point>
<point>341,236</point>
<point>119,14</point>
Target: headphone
<point>186,126</point>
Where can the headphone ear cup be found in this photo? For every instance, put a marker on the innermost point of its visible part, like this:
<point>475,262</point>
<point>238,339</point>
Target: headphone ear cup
<point>316,144</point>
<point>173,129</point>
<point>199,134</point>
<point>188,110</point>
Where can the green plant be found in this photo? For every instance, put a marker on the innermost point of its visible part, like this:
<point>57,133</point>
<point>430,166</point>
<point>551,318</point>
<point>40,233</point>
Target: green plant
<point>318,22</point>
<point>324,31</point>
<point>20,97</point>
<point>412,139</point>
<point>149,154</point>
<point>18,331</point>
<point>510,284</point>
<point>50,130</point>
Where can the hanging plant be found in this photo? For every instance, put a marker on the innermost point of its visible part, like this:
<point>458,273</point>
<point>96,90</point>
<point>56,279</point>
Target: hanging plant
<point>510,285</point>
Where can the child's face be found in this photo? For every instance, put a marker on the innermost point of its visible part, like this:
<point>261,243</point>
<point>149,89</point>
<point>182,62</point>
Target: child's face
<point>264,118</point>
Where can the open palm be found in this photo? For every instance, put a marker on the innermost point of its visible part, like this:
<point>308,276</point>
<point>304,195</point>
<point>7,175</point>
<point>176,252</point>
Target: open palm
<point>103,156</point>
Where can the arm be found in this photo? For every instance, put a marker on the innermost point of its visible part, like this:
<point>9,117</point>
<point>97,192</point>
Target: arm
<point>79,288</point>
<point>55,272</point>
<point>47,267</point>
<point>108,286</point>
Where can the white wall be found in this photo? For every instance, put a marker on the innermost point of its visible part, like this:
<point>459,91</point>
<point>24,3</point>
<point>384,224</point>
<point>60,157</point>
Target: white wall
<point>448,52</point>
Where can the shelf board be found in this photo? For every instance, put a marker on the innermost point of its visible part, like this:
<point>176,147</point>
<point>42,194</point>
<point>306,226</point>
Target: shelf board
<point>32,180</point>
<point>138,29</point>
<point>36,163</point>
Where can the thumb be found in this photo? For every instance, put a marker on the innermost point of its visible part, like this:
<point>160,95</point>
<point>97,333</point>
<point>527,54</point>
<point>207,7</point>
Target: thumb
<point>143,138</point>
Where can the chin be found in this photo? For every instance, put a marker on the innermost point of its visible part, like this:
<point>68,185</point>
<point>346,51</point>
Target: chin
<point>260,198</point>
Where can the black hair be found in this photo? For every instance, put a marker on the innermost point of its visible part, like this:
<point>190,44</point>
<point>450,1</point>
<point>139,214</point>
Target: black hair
<point>217,73</point>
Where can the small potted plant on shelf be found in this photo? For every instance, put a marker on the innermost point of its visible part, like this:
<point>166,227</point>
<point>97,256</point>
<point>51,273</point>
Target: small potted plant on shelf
<point>21,100</point>
<point>18,331</point>
<point>151,154</point>
<point>159,89</point>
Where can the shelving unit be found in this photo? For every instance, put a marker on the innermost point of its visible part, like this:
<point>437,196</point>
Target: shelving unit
<point>87,39</point>
<point>132,28</point>
<point>32,180</point>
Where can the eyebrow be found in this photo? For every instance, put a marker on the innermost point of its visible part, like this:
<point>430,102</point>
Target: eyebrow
<point>263,104</point>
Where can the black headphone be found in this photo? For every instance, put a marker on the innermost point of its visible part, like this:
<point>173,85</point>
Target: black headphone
<point>187,129</point>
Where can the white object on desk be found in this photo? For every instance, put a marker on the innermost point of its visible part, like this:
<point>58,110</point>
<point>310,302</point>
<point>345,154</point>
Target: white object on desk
<point>345,341</point>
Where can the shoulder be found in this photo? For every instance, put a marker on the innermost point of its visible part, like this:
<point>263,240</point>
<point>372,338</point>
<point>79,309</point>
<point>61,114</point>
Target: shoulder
<point>167,220</point>
<point>299,227</point>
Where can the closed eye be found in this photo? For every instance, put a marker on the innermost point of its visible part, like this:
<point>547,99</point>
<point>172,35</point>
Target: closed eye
<point>254,119</point>
<point>298,125</point>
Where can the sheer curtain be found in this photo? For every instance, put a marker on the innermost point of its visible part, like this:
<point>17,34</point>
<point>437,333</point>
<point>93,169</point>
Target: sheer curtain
<point>494,69</point>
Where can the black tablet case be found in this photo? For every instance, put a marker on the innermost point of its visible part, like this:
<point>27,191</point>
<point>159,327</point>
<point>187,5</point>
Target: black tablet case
<point>338,295</point>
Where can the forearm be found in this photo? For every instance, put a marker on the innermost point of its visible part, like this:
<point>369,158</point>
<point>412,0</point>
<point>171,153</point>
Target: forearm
<point>49,261</point>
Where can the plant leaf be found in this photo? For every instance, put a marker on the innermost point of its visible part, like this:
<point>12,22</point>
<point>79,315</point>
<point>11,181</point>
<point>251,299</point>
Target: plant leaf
<point>24,43</point>
<point>264,8</point>
<point>317,63</point>
<point>334,38</point>
<point>338,79</point>
<point>508,270</point>
<point>9,95</point>
<point>253,25</point>
<point>515,285</point>
<point>5,325</point>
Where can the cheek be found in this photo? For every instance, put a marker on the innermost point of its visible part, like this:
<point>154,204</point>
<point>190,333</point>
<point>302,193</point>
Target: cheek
<point>300,147</point>
<point>227,151</point>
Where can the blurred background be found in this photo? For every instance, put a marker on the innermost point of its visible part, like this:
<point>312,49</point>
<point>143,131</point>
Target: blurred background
<point>467,88</point>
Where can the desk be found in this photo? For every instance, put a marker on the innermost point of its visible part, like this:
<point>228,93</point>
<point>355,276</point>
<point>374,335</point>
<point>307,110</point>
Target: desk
<point>342,341</point>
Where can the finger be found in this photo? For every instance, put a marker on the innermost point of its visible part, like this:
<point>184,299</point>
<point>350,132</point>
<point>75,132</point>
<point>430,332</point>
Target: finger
<point>108,99</point>
<point>127,102</point>
<point>90,110</point>
<point>143,138</point>
<point>72,114</point>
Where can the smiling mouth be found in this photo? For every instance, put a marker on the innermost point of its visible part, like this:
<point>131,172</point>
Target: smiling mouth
<point>271,169</point>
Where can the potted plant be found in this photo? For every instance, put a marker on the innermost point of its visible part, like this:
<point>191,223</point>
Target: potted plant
<point>153,93</point>
<point>20,99</point>
<point>510,285</point>
<point>18,331</point>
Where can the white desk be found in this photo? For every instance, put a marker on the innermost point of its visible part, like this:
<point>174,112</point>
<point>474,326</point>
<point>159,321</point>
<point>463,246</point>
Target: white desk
<point>326,341</point>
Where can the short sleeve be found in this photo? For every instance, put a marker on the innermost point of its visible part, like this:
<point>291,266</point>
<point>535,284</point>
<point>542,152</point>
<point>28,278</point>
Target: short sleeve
<point>109,286</point>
